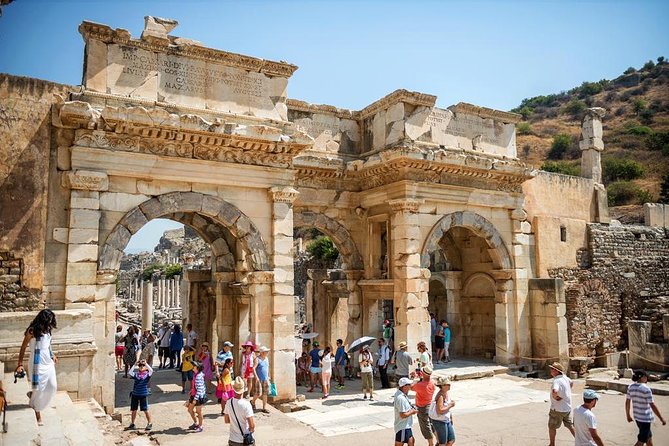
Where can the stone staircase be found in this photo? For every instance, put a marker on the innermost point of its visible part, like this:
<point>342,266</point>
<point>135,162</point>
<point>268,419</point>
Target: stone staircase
<point>66,422</point>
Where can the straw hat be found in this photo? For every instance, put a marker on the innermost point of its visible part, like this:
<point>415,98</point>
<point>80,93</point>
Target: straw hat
<point>263,349</point>
<point>427,370</point>
<point>557,366</point>
<point>238,385</point>
<point>442,381</point>
<point>403,345</point>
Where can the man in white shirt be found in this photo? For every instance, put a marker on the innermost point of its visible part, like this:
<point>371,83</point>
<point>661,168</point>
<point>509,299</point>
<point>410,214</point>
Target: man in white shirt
<point>191,336</point>
<point>164,334</point>
<point>560,397</point>
<point>382,363</point>
<point>585,424</point>
<point>238,413</point>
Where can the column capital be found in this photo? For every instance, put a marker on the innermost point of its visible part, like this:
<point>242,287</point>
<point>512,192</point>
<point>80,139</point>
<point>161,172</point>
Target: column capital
<point>283,194</point>
<point>405,205</point>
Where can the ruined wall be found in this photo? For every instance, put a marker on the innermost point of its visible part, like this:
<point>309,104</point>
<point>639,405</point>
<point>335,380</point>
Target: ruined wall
<point>623,276</point>
<point>26,142</point>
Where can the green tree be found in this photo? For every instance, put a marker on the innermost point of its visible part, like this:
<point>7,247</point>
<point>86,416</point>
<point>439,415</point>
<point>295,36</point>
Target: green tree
<point>323,248</point>
<point>526,112</point>
<point>658,141</point>
<point>661,60</point>
<point>615,169</point>
<point>626,192</point>
<point>172,270</point>
<point>575,108</point>
<point>648,66</point>
<point>639,106</point>
<point>561,144</point>
<point>149,270</point>
<point>630,70</point>
<point>589,88</point>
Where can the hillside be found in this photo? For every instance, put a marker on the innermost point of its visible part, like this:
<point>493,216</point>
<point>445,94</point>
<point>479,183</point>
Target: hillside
<point>636,131</point>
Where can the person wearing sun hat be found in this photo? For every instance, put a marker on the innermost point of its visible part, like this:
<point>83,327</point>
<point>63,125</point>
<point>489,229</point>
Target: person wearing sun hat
<point>247,368</point>
<point>440,413</point>
<point>585,424</point>
<point>560,398</point>
<point>402,361</point>
<point>261,386</point>
<point>404,412</point>
<point>424,390</point>
<point>238,413</point>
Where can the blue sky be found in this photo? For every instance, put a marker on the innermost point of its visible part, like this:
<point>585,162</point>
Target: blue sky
<point>351,53</point>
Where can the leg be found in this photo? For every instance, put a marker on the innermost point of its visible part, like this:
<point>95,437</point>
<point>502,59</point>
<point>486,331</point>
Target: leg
<point>200,420</point>
<point>191,412</point>
<point>133,416</point>
<point>551,436</point>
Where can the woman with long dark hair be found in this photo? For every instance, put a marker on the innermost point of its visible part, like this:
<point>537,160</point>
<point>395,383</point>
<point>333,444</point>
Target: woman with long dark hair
<point>130,350</point>
<point>42,363</point>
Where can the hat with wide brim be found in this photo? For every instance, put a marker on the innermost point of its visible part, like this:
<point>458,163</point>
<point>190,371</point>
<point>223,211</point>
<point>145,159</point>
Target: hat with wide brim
<point>249,344</point>
<point>403,345</point>
<point>442,381</point>
<point>557,366</point>
<point>263,349</point>
<point>238,385</point>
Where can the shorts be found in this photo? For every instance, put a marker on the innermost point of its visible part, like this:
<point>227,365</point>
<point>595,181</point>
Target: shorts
<point>403,436</point>
<point>262,389</point>
<point>141,401</point>
<point>119,350</point>
<point>367,380</point>
<point>555,419</point>
<point>187,376</point>
<point>424,422</point>
<point>644,432</point>
<point>197,401</point>
<point>315,369</point>
<point>341,370</point>
<point>163,352</point>
<point>439,342</point>
<point>444,431</point>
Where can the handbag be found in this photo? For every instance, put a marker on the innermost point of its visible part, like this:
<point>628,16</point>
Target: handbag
<point>272,389</point>
<point>248,437</point>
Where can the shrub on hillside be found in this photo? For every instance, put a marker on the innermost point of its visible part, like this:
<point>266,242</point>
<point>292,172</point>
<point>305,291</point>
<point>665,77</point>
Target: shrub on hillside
<point>526,112</point>
<point>560,146</point>
<point>664,190</point>
<point>524,128</point>
<point>630,70</point>
<point>322,248</point>
<point>563,167</point>
<point>575,108</point>
<point>639,106</point>
<point>626,192</point>
<point>615,169</point>
<point>590,88</point>
<point>648,66</point>
<point>659,141</point>
<point>634,128</point>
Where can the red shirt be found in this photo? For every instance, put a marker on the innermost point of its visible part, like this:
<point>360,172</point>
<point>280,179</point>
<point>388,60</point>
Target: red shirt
<point>424,391</point>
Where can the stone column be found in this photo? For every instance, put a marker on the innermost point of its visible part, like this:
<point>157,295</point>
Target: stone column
<point>147,306</point>
<point>283,298</point>
<point>410,281</point>
<point>161,291</point>
<point>354,329</point>
<point>506,324</point>
<point>548,308</point>
<point>177,292</point>
<point>592,144</point>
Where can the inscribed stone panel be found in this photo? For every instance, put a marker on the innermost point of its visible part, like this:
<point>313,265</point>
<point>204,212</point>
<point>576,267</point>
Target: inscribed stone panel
<point>132,72</point>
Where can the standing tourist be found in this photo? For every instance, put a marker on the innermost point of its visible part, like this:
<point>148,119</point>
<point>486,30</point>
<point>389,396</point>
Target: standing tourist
<point>366,373</point>
<point>340,364</point>
<point>388,333</point>
<point>315,368</point>
<point>440,413</point>
<point>239,415</point>
<point>262,374</point>
<point>119,347</point>
<point>404,412</point>
<point>439,342</point>
<point>198,396</point>
<point>447,340</point>
<point>138,345</point>
<point>585,424</point>
<point>424,390</point>
<point>402,361</point>
<point>224,388</point>
<point>130,346</point>
<point>433,331</point>
<point>560,397</point>
<point>187,361</point>
<point>139,397</point>
<point>191,336</point>
<point>641,398</point>
<point>425,357</point>
<point>176,344</point>
<point>204,358</point>
<point>382,363</point>
<point>326,371</point>
<point>224,355</point>
<point>42,365</point>
<point>247,368</point>
<point>149,349</point>
<point>164,344</point>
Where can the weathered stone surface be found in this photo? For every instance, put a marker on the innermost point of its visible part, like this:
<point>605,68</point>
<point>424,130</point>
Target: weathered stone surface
<point>84,219</point>
<point>134,220</point>
<point>111,201</point>
<point>82,253</point>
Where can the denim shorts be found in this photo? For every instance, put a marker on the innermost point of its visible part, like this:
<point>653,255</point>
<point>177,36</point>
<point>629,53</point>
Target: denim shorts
<point>315,369</point>
<point>644,432</point>
<point>187,376</point>
<point>444,431</point>
<point>403,436</point>
<point>139,401</point>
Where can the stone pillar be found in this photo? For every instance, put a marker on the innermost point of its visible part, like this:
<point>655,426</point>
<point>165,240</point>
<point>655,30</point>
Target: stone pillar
<point>161,292</point>
<point>177,292</point>
<point>283,298</point>
<point>355,320</point>
<point>410,281</point>
<point>548,309</point>
<point>147,306</point>
<point>592,144</point>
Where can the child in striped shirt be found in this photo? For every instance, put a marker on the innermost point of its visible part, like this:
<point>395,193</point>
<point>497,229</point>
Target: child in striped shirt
<point>643,406</point>
<point>198,397</point>
<point>141,374</point>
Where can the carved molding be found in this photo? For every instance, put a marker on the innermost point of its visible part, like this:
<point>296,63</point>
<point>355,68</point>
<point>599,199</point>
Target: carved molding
<point>282,194</point>
<point>405,205</point>
<point>85,180</point>
<point>410,97</point>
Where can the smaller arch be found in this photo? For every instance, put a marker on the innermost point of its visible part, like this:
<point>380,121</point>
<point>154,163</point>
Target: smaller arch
<point>333,229</point>
<point>477,277</point>
<point>479,226</point>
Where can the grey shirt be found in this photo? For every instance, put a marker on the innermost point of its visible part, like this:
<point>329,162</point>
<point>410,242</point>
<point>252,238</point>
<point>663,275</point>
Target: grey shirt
<point>402,361</point>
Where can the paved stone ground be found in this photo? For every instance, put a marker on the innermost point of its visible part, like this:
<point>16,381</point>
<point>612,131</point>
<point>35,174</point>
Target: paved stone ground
<point>501,410</point>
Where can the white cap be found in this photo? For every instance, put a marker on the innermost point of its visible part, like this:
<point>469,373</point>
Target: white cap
<point>405,381</point>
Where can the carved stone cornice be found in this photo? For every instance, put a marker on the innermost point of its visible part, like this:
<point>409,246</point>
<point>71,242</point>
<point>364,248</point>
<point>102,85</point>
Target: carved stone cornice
<point>85,180</point>
<point>410,97</point>
<point>280,194</point>
<point>405,205</point>
<point>104,33</point>
<point>487,113</point>
<point>297,105</point>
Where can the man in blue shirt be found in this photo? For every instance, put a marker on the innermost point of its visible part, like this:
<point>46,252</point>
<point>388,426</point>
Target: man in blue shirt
<point>315,368</point>
<point>340,363</point>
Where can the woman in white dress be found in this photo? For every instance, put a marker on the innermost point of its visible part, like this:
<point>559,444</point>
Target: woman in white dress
<point>42,370</point>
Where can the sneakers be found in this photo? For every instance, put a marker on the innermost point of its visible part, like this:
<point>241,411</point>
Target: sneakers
<point>326,395</point>
<point>371,399</point>
<point>339,387</point>
<point>364,397</point>
<point>192,426</point>
<point>198,429</point>
<point>131,427</point>
<point>148,427</point>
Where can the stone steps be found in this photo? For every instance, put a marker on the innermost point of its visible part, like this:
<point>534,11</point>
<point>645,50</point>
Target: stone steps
<point>66,423</point>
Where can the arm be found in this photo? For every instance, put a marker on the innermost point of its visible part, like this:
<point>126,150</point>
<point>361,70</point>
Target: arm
<point>595,437</point>
<point>150,369</point>
<point>252,424</point>
<point>657,412</point>
<point>26,339</point>
<point>441,408</point>
<point>226,418</point>
<point>627,410</point>
<point>408,414</point>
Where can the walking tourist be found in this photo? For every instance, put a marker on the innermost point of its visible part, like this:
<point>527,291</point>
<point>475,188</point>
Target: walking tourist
<point>315,367</point>
<point>247,368</point>
<point>42,364</point>
<point>440,413</point>
<point>326,371</point>
<point>402,361</point>
<point>303,369</point>
<point>560,397</point>
<point>129,348</point>
<point>238,413</point>
<point>191,336</point>
<point>176,344</point>
<point>204,358</point>
<point>425,357</point>
<point>164,344</point>
<point>340,364</point>
<point>640,397</point>
<point>404,412</point>
<point>149,348</point>
<point>388,333</point>
<point>585,424</point>
<point>118,347</point>
<point>224,386</point>
<point>263,382</point>
<point>366,373</point>
<point>447,340</point>
<point>139,398</point>
<point>382,363</point>
<point>198,397</point>
<point>439,342</point>
<point>187,361</point>
<point>138,345</point>
<point>424,390</point>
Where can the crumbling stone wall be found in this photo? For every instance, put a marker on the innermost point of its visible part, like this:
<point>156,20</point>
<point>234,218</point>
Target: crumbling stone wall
<point>13,296</point>
<point>624,275</point>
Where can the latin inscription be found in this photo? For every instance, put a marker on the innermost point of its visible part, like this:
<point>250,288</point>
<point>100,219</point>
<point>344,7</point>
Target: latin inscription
<point>317,128</point>
<point>466,126</point>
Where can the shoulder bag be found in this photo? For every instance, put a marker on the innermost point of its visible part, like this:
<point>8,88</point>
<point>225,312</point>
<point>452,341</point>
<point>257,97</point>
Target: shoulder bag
<point>248,437</point>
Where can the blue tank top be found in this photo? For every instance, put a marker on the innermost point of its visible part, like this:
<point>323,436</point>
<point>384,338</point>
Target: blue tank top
<point>262,369</point>
<point>315,358</point>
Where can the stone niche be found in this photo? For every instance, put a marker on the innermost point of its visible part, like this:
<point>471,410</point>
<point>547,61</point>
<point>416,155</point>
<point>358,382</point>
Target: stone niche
<point>167,69</point>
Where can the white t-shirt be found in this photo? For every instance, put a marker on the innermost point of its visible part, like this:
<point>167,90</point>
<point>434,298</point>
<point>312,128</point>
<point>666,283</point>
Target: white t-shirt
<point>164,337</point>
<point>243,410</point>
<point>584,420</point>
<point>370,358</point>
<point>562,385</point>
<point>190,339</point>
<point>326,362</point>
<point>384,355</point>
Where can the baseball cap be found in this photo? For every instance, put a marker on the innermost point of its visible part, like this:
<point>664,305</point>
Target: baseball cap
<point>228,344</point>
<point>405,382</point>
<point>589,394</point>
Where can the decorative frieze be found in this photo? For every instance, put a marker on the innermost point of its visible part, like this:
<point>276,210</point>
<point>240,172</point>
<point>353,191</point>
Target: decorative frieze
<point>86,180</point>
<point>283,194</point>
